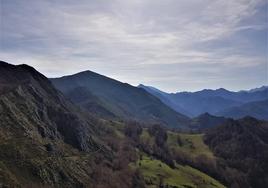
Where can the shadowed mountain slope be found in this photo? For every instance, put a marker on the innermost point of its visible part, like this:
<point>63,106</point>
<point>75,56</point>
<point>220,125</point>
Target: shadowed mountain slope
<point>120,99</point>
<point>166,99</point>
<point>206,121</point>
<point>29,98</point>
<point>257,109</point>
<point>46,141</point>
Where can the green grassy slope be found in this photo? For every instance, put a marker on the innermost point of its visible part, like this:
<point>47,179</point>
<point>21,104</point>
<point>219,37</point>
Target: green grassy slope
<point>158,173</point>
<point>191,144</point>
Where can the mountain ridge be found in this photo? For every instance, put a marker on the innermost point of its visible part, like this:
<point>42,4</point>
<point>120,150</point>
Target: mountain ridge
<point>48,141</point>
<point>39,93</point>
<point>257,109</point>
<point>122,99</point>
<point>208,100</point>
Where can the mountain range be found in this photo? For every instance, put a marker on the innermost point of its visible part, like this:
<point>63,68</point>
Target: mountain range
<point>111,98</point>
<point>48,141</point>
<point>87,130</point>
<point>219,102</point>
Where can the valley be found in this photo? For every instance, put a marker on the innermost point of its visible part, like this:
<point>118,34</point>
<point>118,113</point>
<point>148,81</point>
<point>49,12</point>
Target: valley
<point>133,94</point>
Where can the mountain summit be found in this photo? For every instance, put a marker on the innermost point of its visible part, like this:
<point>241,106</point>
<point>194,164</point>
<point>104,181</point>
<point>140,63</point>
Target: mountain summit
<point>118,99</point>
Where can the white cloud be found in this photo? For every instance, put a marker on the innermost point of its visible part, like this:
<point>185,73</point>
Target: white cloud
<point>125,36</point>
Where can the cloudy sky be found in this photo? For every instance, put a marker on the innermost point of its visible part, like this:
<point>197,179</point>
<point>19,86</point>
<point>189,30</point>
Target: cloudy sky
<point>174,45</point>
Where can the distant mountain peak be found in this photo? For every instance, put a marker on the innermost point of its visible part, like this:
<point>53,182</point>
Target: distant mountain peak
<point>151,88</point>
<point>262,88</point>
<point>123,100</point>
<point>222,89</point>
<point>86,72</point>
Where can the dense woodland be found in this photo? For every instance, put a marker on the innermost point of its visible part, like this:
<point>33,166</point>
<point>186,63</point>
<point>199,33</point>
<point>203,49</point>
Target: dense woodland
<point>240,148</point>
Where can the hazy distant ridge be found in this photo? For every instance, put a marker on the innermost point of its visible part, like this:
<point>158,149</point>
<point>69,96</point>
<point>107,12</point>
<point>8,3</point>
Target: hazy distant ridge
<point>216,102</point>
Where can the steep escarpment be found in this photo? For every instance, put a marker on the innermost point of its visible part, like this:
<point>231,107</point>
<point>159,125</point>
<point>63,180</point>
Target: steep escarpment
<point>34,104</point>
<point>47,141</point>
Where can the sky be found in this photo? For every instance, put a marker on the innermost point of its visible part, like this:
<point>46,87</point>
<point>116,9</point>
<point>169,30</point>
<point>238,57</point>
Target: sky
<point>174,45</point>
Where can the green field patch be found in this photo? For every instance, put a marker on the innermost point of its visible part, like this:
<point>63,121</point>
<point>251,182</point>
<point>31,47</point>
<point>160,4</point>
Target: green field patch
<point>156,173</point>
<point>191,144</point>
<point>146,138</point>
